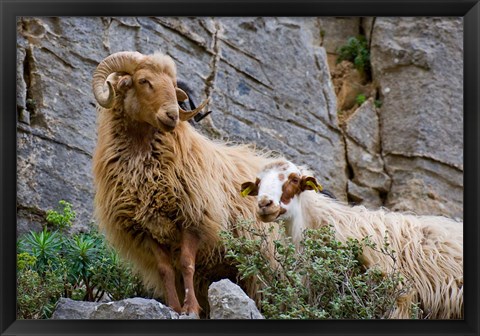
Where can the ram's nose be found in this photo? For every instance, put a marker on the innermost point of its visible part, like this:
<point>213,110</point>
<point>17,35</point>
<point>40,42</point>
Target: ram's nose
<point>172,114</point>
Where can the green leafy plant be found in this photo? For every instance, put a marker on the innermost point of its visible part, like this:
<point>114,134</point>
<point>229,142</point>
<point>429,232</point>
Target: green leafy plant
<point>378,103</point>
<point>37,293</point>
<point>81,266</point>
<point>45,246</point>
<point>360,99</point>
<point>80,254</point>
<point>324,280</point>
<point>63,218</point>
<point>112,276</point>
<point>356,51</point>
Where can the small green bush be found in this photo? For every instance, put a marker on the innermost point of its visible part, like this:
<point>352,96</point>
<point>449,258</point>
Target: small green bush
<point>113,277</point>
<point>356,51</point>
<point>360,99</point>
<point>37,293</point>
<point>45,246</point>
<point>325,280</point>
<point>64,219</point>
<point>81,266</point>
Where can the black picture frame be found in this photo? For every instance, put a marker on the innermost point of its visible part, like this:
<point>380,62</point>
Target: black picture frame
<point>469,10</point>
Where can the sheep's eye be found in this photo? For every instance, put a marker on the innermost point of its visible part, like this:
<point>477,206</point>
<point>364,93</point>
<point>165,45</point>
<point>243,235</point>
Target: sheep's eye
<point>143,81</point>
<point>295,180</point>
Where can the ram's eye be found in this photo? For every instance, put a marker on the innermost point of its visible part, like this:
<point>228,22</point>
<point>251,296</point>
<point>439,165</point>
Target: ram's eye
<point>143,81</point>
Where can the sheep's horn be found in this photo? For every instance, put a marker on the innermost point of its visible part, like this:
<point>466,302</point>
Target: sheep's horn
<point>124,61</point>
<point>187,115</point>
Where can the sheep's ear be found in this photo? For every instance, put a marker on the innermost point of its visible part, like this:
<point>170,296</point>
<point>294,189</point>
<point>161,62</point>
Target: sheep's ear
<point>181,95</point>
<point>124,83</point>
<point>249,189</point>
<point>310,183</point>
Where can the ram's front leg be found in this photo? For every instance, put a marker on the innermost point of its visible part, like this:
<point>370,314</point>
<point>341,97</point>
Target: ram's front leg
<point>188,252</point>
<point>167,272</point>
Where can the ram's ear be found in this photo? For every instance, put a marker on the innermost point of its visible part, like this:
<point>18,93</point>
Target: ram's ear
<point>249,189</point>
<point>310,183</point>
<point>181,95</point>
<point>124,83</point>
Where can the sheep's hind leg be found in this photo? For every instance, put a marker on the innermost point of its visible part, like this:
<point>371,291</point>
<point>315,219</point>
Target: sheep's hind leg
<point>188,252</point>
<point>167,272</point>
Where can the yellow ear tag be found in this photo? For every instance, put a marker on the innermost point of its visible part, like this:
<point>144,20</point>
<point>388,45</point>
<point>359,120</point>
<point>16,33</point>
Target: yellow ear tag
<point>247,191</point>
<point>315,187</point>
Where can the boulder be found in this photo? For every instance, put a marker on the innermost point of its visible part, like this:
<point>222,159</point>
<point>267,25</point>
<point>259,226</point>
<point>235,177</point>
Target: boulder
<point>128,309</point>
<point>228,301</point>
<point>68,309</point>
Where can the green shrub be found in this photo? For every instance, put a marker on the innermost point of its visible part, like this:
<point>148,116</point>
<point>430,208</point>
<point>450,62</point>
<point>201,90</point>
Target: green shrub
<point>324,281</point>
<point>45,246</point>
<point>360,99</point>
<point>80,266</point>
<point>63,219</point>
<point>37,293</point>
<point>356,51</point>
<point>113,277</point>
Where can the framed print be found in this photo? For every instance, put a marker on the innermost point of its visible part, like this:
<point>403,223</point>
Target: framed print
<point>180,167</point>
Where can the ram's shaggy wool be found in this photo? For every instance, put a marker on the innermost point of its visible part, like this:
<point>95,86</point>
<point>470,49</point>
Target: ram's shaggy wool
<point>151,184</point>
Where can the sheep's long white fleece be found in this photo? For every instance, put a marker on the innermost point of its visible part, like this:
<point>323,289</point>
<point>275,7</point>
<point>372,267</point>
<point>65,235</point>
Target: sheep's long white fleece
<point>429,249</point>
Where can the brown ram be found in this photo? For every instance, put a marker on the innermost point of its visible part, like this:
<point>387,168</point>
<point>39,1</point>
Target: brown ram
<point>163,190</point>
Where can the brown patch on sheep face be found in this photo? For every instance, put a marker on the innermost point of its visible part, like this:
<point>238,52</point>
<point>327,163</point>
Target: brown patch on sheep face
<point>281,177</point>
<point>295,185</point>
<point>291,188</point>
<point>151,98</point>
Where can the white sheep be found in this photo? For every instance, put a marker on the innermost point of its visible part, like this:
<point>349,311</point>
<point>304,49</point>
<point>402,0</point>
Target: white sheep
<point>429,249</point>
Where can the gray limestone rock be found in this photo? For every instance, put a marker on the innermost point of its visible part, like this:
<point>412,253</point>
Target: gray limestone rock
<point>363,127</point>
<point>128,309</point>
<point>365,196</point>
<point>418,64</point>
<point>68,309</point>
<point>228,301</point>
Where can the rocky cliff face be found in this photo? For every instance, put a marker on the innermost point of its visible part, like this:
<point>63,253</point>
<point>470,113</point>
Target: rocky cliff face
<point>418,64</point>
<point>270,84</point>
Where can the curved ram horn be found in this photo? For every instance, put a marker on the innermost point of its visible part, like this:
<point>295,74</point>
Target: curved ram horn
<point>187,115</point>
<point>124,61</point>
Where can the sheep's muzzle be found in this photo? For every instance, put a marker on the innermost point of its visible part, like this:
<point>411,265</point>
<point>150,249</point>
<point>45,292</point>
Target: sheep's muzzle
<point>268,210</point>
